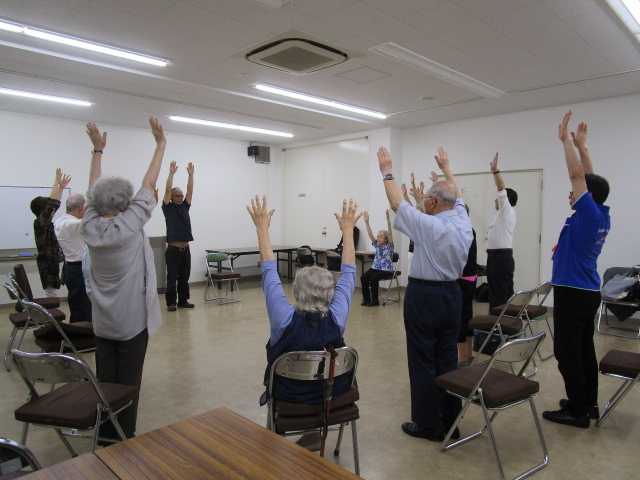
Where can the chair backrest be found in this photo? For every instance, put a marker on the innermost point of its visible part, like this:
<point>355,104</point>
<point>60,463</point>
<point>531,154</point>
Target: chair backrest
<point>14,457</point>
<point>334,261</point>
<point>305,255</point>
<point>520,300</point>
<point>217,257</point>
<point>23,281</point>
<point>53,368</point>
<point>542,291</point>
<point>518,350</point>
<point>313,365</point>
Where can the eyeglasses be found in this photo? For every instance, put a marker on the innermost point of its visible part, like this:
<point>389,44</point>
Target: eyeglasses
<point>429,196</point>
<point>179,196</point>
<point>571,193</point>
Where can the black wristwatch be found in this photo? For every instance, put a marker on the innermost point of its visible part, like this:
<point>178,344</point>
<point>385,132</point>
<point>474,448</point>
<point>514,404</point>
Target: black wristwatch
<point>95,151</point>
<point>388,176</point>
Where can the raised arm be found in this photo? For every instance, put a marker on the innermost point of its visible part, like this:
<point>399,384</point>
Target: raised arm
<point>173,168</point>
<point>389,229</point>
<point>405,194</point>
<point>580,141</point>
<point>99,142</point>
<point>443,163</point>
<point>372,237</point>
<point>574,166</point>
<point>347,221</point>
<point>417,193</point>
<point>262,219</point>
<point>59,184</point>
<point>190,170</point>
<point>394,195</point>
<point>151,176</point>
<point>497,178</point>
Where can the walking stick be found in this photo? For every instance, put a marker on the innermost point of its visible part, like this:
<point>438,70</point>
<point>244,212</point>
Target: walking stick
<point>328,391</point>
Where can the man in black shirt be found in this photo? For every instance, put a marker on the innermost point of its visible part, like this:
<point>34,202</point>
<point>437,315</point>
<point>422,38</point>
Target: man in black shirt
<point>175,207</point>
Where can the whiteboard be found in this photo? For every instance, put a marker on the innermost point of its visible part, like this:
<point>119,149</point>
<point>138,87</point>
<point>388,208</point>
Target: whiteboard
<point>16,218</point>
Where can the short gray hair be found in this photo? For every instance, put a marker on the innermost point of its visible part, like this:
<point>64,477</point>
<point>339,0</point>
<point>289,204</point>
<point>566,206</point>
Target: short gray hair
<point>313,289</point>
<point>112,195</point>
<point>385,233</point>
<point>444,192</point>
<point>74,202</point>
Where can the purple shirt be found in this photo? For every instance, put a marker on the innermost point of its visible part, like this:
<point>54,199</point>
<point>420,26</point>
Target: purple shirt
<point>280,311</point>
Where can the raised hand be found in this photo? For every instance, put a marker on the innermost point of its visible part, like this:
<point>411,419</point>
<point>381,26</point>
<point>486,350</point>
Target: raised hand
<point>494,163</point>
<point>580,136</point>
<point>413,180</point>
<point>259,214</point>
<point>173,167</point>
<point>442,159</point>
<point>365,215</point>
<point>433,177</point>
<point>158,132</point>
<point>64,180</point>
<point>384,161</point>
<point>349,216</point>
<point>99,140</point>
<point>562,128</point>
<point>190,168</point>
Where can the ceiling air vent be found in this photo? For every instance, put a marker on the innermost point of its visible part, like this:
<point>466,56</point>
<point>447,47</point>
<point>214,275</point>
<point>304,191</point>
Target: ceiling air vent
<point>296,55</point>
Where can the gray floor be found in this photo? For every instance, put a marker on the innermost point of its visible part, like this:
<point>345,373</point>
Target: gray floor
<point>214,356</point>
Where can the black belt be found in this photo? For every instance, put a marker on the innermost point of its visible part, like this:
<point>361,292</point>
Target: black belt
<point>435,283</point>
<point>74,263</point>
<point>499,250</point>
<point>182,249</point>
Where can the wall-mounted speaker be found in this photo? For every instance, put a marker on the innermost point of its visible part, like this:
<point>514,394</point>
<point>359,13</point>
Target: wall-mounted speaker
<point>260,154</point>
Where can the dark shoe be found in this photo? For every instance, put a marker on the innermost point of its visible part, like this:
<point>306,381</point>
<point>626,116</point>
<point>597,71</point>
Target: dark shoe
<point>186,305</point>
<point>171,308</point>
<point>415,430</point>
<point>365,303</point>
<point>592,410</point>
<point>373,304</point>
<point>565,418</point>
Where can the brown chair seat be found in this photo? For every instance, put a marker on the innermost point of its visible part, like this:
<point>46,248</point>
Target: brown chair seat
<point>290,409</point>
<point>81,334</point>
<point>73,405</point>
<point>509,325</point>
<point>498,387</point>
<point>533,311</point>
<point>618,362</point>
<point>19,319</point>
<point>224,275</point>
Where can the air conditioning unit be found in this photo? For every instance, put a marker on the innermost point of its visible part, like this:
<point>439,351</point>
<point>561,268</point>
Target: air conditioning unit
<point>260,154</point>
<point>296,55</point>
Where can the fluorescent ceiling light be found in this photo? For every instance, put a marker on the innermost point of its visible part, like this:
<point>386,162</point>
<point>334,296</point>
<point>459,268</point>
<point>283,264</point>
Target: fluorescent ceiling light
<point>79,43</point>
<point>319,101</point>
<point>232,126</point>
<point>40,96</point>
<point>629,13</point>
<point>412,59</point>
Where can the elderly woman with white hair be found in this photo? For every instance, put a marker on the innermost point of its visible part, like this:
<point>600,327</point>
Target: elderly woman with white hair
<point>321,311</point>
<point>126,311</point>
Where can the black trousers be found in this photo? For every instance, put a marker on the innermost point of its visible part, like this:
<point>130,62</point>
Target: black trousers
<point>121,361</point>
<point>79,303</point>
<point>178,271</point>
<point>432,323</point>
<point>574,312</point>
<point>468,289</point>
<point>370,281</point>
<point>500,268</point>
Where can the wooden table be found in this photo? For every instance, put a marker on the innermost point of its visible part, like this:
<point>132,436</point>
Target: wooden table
<point>87,466</point>
<point>234,253</point>
<point>216,444</point>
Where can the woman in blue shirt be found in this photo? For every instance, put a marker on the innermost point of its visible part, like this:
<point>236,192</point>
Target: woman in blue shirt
<point>382,263</point>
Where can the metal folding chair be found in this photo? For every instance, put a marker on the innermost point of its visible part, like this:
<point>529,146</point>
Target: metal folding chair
<point>495,390</point>
<point>393,277</point>
<point>624,365</point>
<point>213,262</point>
<point>14,458</point>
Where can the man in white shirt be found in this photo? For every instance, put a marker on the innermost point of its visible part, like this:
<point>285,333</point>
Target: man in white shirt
<point>500,262</point>
<point>67,229</point>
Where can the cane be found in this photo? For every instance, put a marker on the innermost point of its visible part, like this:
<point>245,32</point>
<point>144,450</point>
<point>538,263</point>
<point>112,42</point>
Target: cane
<point>328,391</point>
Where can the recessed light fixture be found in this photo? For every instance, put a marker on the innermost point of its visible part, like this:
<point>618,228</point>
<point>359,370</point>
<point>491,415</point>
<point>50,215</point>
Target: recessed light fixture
<point>41,96</point>
<point>319,101</point>
<point>80,43</point>
<point>231,126</point>
<point>629,13</point>
<point>425,65</point>
<point>270,4</point>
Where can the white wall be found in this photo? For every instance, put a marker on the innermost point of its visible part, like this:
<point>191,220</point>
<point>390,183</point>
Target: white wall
<point>225,177</point>
<point>529,140</point>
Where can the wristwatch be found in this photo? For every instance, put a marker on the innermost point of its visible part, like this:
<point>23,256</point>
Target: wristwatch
<point>388,176</point>
<point>95,151</point>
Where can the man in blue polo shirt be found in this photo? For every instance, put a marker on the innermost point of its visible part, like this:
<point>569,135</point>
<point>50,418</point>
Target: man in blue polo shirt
<point>175,207</point>
<point>577,283</point>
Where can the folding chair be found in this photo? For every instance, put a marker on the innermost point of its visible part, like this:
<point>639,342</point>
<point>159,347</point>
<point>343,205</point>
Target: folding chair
<point>619,364</point>
<point>81,404</point>
<point>21,281</point>
<point>532,313</point>
<point>214,262</point>
<point>504,326</point>
<point>393,277</point>
<point>21,321</point>
<point>622,309</point>
<point>334,263</point>
<point>495,390</point>
<point>14,458</point>
<point>289,418</point>
<point>305,258</point>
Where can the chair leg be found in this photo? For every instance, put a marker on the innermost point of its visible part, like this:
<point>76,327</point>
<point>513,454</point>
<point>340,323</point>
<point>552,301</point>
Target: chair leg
<point>488,421</point>
<point>7,355</point>
<point>617,397</point>
<point>336,452</point>
<point>356,455</point>
<point>66,443</point>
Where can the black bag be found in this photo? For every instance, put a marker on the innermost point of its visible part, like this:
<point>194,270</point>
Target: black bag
<point>482,293</point>
<point>491,346</point>
<point>333,263</point>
